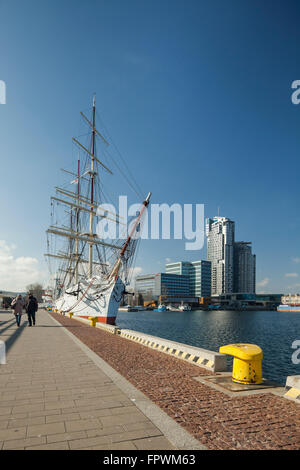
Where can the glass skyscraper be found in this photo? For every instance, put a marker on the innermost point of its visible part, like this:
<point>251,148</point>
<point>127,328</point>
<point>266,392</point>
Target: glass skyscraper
<point>232,263</point>
<point>198,272</point>
<point>244,268</point>
<point>220,242</point>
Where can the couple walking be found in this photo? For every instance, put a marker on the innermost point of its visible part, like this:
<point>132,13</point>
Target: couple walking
<point>30,305</point>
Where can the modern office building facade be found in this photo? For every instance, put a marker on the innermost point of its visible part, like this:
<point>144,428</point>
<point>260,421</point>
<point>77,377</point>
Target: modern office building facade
<point>179,267</point>
<point>172,285</point>
<point>233,266</point>
<point>220,242</point>
<point>153,286</point>
<point>145,284</point>
<point>244,268</point>
<point>198,272</point>
<point>244,301</point>
<point>200,278</point>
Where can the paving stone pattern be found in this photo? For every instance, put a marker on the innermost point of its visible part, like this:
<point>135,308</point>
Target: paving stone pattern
<point>53,396</point>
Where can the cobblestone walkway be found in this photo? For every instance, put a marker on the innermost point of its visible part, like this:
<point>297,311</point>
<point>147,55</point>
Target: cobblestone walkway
<point>53,396</point>
<point>262,421</point>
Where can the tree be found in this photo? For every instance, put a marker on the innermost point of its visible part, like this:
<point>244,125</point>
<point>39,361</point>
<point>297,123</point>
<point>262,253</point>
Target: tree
<point>7,301</point>
<point>36,290</point>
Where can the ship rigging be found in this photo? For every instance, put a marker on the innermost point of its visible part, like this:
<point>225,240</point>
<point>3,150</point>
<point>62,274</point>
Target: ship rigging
<point>91,273</point>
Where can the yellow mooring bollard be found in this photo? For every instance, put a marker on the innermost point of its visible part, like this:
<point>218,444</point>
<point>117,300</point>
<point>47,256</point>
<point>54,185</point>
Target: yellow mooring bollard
<point>247,359</point>
<point>93,320</point>
<point>70,314</point>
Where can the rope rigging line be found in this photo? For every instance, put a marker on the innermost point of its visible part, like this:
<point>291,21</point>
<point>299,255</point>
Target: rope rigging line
<point>140,193</point>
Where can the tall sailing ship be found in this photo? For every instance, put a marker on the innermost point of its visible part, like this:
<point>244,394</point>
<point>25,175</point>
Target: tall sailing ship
<point>91,272</point>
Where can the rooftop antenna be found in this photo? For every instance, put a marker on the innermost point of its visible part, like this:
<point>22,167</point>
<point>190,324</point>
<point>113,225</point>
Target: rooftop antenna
<point>218,211</point>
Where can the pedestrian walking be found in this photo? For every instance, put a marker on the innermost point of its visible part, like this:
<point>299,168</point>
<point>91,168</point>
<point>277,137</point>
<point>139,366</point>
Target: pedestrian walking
<point>17,306</point>
<point>31,307</point>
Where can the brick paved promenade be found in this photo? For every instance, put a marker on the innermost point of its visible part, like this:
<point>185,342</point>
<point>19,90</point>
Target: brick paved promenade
<point>53,395</point>
<point>58,394</point>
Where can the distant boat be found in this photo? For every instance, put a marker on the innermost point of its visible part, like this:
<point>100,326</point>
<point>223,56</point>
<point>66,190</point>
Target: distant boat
<point>214,307</point>
<point>184,308</point>
<point>126,308</point>
<point>160,308</point>
<point>288,308</point>
<point>289,303</point>
<point>129,308</point>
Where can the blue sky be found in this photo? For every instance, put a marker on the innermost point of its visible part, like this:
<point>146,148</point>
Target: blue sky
<point>197,96</point>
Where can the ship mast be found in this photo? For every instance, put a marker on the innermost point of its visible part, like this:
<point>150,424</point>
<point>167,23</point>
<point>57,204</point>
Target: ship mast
<point>77,221</point>
<point>92,174</point>
<point>79,203</point>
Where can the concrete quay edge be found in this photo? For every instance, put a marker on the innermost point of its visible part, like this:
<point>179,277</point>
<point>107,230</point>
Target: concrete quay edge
<point>180,438</point>
<point>110,328</point>
<point>210,360</point>
<point>292,388</point>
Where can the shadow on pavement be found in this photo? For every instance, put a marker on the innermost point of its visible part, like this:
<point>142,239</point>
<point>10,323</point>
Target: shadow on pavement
<point>11,322</point>
<point>10,341</point>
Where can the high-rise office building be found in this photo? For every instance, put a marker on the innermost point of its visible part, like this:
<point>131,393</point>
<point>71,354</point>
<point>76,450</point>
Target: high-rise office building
<point>199,273</point>
<point>200,278</point>
<point>244,268</point>
<point>220,243</point>
<point>152,286</point>
<point>179,267</point>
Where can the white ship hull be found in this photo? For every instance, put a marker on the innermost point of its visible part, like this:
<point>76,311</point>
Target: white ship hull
<point>95,299</point>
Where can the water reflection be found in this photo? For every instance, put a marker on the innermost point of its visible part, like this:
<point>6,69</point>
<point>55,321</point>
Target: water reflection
<point>273,331</point>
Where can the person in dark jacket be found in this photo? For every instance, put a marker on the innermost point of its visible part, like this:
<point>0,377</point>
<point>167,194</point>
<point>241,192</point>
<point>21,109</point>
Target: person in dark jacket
<point>31,308</point>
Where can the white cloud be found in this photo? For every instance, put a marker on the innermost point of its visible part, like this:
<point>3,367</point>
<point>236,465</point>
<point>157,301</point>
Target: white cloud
<point>296,260</point>
<point>264,282</point>
<point>291,275</point>
<point>136,271</point>
<point>17,273</point>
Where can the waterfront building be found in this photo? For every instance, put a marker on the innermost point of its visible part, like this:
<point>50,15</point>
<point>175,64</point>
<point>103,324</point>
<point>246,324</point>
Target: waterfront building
<point>145,285</point>
<point>220,246</point>
<point>200,278</point>
<point>199,273</point>
<point>246,301</point>
<point>171,286</point>
<point>244,268</point>
<point>179,267</point>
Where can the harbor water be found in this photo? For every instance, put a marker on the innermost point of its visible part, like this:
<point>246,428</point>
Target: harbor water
<point>273,331</point>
